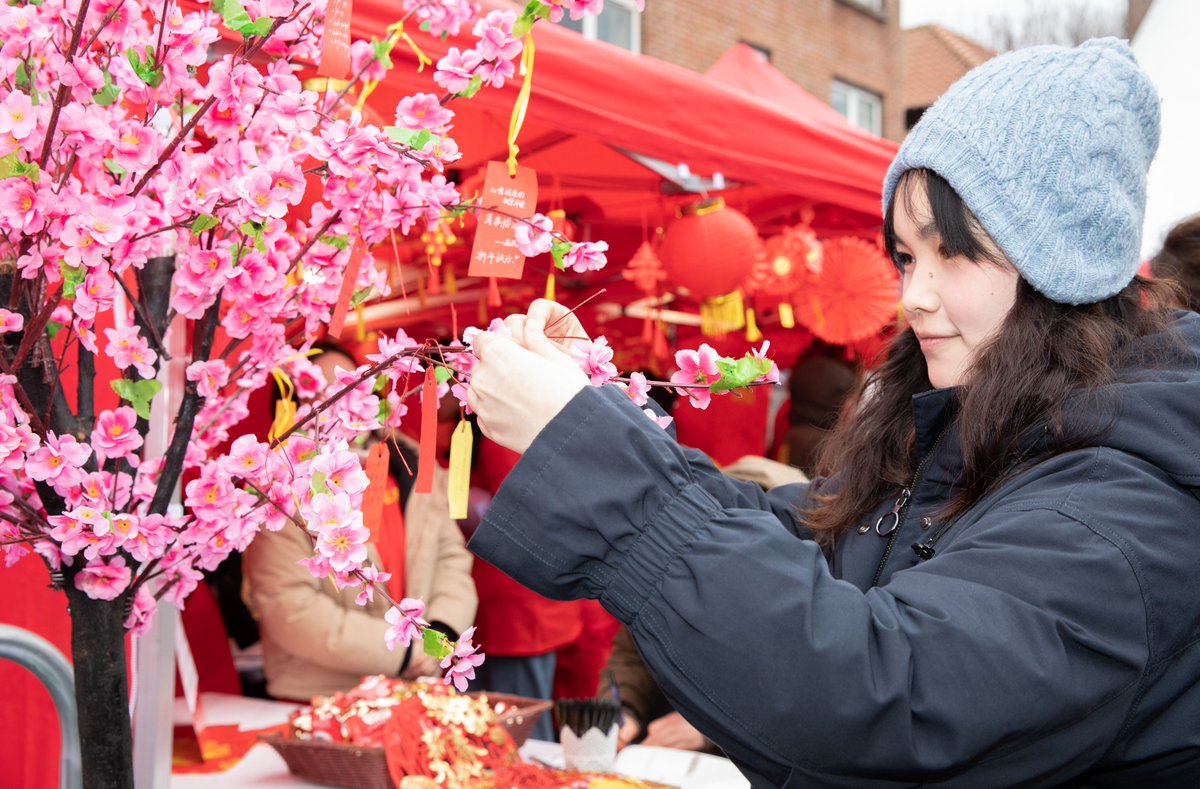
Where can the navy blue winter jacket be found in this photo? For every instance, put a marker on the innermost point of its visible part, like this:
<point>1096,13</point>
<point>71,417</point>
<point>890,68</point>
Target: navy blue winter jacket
<point>1051,639</point>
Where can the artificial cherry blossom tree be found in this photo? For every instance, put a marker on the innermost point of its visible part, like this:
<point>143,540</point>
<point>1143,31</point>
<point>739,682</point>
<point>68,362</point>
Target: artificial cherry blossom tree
<point>157,167</point>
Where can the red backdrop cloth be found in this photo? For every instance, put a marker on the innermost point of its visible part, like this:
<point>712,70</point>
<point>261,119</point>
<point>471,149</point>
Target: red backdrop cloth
<point>513,621</point>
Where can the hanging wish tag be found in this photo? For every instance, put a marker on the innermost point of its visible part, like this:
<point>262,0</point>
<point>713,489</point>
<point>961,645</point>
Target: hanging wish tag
<point>376,469</point>
<point>428,451</point>
<point>349,277</point>
<point>495,252</point>
<point>460,469</point>
<point>335,44</point>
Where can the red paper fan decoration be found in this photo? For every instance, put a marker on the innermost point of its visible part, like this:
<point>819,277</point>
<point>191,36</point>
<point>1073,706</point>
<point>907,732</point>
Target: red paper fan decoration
<point>853,297</point>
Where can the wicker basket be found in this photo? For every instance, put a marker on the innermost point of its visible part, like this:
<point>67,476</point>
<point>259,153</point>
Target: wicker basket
<point>351,767</point>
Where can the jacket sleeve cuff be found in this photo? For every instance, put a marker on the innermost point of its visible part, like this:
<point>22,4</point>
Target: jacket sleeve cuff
<point>600,504</point>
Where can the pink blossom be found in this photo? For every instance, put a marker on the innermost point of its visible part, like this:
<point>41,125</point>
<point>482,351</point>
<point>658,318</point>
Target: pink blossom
<point>15,441</point>
<point>638,390</point>
<point>104,581</point>
<point>114,435</point>
<point>141,612</point>
<point>662,421</point>
<point>455,70</point>
<point>341,470</point>
<point>210,377</point>
<point>246,457</point>
<point>533,235</point>
<point>772,375</point>
<point>496,41</point>
<point>341,537</point>
<point>21,205</point>
<point>59,460</point>
<point>460,664</point>
<point>240,85</point>
<point>423,111</point>
<point>697,367</point>
<point>582,8</point>
<point>405,622</point>
<point>275,8</point>
<point>17,115</point>
<point>370,575</point>
<point>493,73</point>
<point>586,256</point>
<point>595,358</point>
<point>296,111</point>
<point>128,347</point>
<point>11,321</point>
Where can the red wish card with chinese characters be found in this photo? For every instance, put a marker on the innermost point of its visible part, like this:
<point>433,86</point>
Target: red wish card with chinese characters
<point>335,45</point>
<point>495,252</point>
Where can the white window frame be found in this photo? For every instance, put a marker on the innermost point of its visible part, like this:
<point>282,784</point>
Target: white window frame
<point>854,95</point>
<point>591,25</point>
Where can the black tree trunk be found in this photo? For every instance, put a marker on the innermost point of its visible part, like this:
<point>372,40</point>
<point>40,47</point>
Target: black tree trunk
<point>101,689</point>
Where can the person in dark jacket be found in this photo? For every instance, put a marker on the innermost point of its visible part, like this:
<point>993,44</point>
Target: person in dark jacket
<point>995,584</point>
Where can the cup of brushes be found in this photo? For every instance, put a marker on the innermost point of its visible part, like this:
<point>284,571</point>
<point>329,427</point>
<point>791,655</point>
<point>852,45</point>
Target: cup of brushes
<point>588,733</point>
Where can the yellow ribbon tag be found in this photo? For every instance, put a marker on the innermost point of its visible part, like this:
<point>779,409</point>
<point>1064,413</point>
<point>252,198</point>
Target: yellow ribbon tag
<point>518,114</point>
<point>460,469</point>
<point>285,406</point>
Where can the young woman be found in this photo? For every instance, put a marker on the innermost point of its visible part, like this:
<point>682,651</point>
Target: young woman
<point>995,584</point>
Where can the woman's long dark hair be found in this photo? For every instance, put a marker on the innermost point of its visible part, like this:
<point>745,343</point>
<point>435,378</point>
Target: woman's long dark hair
<point>1043,353</point>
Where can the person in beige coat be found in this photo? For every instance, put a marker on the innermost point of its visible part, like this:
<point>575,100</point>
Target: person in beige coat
<point>316,640</point>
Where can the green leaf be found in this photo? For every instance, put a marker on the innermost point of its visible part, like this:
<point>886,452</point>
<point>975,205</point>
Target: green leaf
<point>736,374</point>
<point>558,251</point>
<point>442,374</point>
<point>381,382</point>
<point>413,138</point>
<point>436,644</point>
<point>53,328</point>
<point>115,168</point>
<point>259,27</point>
<point>22,75</point>
<point>72,278</point>
<point>383,50</point>
<point>385,410</point>
<point>341,242</point>
<point>202,223</point>
<point>233,14</point>
<point>255,231</point>
<point>359,296</point>
<point>137,393</point>
<point>109,93</point>
<point>146,71</point>
<point>12,167</point>
<point>472,87</point>
<point>318,483</point>
<point>534,10</point>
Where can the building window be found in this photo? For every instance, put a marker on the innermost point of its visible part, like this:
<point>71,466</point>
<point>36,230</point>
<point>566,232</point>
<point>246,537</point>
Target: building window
<point>619,23</point>
<point>763,52</point>
<point>861,107</point>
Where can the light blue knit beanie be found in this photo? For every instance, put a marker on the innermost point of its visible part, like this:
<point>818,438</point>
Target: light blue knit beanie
<point>1049,148</point>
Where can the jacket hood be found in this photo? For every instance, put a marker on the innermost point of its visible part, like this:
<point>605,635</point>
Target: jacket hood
<point>1155,410</point>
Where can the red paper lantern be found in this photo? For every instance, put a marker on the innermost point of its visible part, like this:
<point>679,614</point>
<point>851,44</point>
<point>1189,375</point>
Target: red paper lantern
<point>710,249</point>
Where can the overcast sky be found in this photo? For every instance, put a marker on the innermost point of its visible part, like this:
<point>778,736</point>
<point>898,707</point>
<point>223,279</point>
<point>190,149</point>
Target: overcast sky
<point>970,17</point>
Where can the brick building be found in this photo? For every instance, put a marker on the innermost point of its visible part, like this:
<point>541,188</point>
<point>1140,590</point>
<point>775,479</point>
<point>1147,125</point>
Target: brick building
<point>846,52</point>
<point>934,58</point>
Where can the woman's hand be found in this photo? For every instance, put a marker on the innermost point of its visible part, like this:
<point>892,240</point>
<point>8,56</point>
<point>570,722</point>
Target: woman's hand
<point>521,383</point>
<point>629,730</point>
<point>561,325</point>
<point>672,731</point>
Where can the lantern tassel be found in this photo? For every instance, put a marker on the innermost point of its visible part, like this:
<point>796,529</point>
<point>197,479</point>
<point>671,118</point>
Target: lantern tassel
<point>493,299</point>
<point>451,284</point>
<point>752,332</point>
<point>787,318</point>
<point>434,286</point>
<point>550,286</point>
